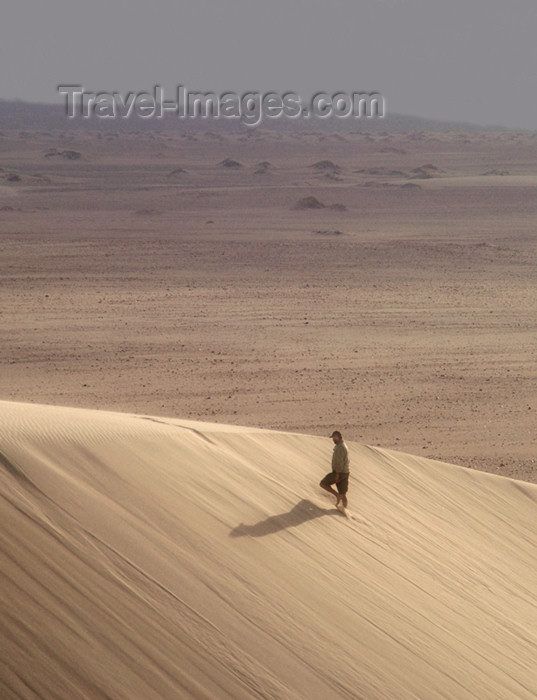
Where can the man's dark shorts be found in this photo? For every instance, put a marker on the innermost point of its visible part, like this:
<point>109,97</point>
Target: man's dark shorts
<point>330,479</point>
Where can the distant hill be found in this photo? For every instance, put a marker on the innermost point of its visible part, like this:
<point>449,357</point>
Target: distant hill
<point>20,115</point>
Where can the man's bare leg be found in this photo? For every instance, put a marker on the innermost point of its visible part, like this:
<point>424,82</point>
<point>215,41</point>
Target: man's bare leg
<point>331,490</point>
<point>341,499</point>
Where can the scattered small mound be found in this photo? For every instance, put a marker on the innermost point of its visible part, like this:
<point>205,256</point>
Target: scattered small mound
<point>41,178</point>
<point>67,154</point>
<point>425,172</point>
<point>177,171</point>
<point>230,163</point>
<point>308,203</point>
<point>325,165</point>
<point>147,211</point>
<point>393,149</point>
<point>328,175</point>
<point>16,178</point>
<point>338,207</point>
<point>263,168</point>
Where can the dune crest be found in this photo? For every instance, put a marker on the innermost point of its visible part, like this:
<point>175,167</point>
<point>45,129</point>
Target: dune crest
<point>149,557</point>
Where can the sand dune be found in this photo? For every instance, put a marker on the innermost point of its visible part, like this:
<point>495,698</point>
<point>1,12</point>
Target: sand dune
<point>147,558</point>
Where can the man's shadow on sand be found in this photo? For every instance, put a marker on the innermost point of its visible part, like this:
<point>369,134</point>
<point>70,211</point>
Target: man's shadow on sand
<point>303,511</point>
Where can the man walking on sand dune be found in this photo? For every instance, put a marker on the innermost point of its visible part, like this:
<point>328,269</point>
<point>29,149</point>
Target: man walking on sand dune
<point>340,471</point>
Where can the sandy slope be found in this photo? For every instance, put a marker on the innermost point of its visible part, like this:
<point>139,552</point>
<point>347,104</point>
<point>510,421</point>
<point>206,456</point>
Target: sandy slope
<point>161,558</point>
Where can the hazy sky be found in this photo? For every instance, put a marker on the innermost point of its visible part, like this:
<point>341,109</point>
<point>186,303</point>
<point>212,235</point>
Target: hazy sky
<point>469,60</point>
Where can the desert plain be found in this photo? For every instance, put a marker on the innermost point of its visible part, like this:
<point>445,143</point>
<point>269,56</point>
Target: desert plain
<point>178,274</point>
<point>186,315</point>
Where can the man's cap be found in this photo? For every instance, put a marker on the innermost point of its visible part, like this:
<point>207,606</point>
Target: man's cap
<point>336,433</point>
